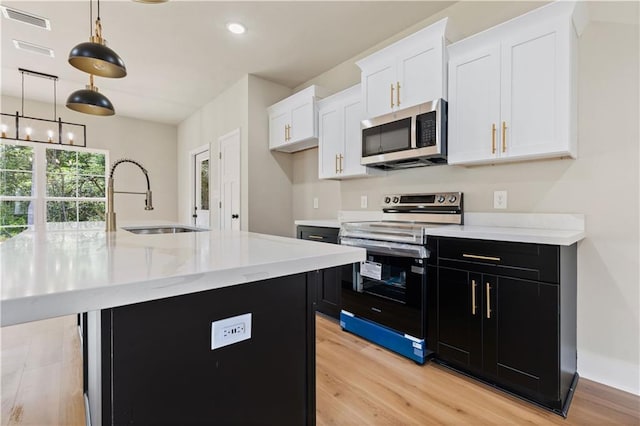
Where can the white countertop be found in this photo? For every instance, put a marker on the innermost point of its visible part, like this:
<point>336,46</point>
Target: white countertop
<point>539,228</point>
<point>64,271</point>
<point>499,233</point>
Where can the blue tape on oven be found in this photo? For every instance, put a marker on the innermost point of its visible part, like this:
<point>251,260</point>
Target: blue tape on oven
<point>384,337</point>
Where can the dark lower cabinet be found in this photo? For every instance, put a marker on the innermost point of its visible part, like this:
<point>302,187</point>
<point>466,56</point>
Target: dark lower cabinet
<point>328,281</point>
<point>516,333</point>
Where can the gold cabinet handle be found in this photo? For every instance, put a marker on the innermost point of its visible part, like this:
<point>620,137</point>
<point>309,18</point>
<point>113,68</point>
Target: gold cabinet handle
<point>473,297</point>
<point>315,237</point>
<point>336,163</point>
<point>488,301</point>
<point>477,256</point>
<point>398,93</point>
<point>493,138</point>
<point>504,137</point>
<point>341,165</point>
<point>391,95</point>
<point>285,131</point>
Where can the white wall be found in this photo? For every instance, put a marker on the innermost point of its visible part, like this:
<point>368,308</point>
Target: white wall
<point>266,177</point>
<point>270,173</point>
<point>603,183</point>
<point>220,116</point>
<point>151,144</point>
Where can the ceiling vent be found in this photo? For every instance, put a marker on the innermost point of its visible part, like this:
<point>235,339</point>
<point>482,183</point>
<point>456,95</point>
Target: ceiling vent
<point>33,48</point>
<point>26,17</point>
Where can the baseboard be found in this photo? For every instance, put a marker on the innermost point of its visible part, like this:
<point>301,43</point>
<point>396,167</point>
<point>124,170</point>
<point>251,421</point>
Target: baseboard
<point>611,372</point>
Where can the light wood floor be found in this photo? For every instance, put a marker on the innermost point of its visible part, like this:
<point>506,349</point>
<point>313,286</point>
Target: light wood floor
<point>358,383</point>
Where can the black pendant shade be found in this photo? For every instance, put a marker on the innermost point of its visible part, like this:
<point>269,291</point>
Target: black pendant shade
<point>90,101</point>
<point>97,59</point>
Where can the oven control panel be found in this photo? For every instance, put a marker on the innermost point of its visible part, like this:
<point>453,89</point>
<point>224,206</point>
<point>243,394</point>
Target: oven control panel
<point>449,199</point>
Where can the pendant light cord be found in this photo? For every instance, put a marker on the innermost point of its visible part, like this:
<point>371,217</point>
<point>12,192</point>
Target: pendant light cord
<point>90,19</point>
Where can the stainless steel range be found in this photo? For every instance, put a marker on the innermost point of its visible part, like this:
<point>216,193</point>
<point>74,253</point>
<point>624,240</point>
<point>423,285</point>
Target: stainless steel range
<point>385,299</point>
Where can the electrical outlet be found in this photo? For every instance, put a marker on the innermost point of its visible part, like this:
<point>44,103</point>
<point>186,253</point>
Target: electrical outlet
<point>232,330</point>
<point>315,202</point>
<point>499,199</point>
<point>363,201</point>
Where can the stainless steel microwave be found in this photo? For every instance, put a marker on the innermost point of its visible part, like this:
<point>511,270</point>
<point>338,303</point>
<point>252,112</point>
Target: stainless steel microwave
<point>413,137</point>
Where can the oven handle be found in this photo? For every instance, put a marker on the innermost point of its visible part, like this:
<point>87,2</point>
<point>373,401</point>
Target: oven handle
<point>387,247</point>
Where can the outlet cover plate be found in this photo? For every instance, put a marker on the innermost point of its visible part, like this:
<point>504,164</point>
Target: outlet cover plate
<point>363,201</point>
<point>231,330</point>
<point>500,199</point>
<point>315,203</point>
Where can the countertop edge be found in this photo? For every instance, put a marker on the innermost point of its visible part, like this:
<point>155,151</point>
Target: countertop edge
<point>34,308</point>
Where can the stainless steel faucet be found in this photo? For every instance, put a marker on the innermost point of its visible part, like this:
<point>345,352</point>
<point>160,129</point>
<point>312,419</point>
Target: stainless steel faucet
<point>111,214</point>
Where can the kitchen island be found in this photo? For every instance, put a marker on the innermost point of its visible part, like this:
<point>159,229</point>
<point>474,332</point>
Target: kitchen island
<point>151,301</point>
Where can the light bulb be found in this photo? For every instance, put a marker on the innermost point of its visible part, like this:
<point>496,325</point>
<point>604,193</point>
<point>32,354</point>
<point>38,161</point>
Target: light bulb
<point>236,28</point>
<point>50,135</point>
<point>4,130</point>
<point>70,136</point>
<point>28,131</point>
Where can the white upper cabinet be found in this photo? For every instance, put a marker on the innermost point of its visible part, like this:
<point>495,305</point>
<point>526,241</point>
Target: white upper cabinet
<point>512,89</point>
<point>293,122</point>
<point>340,144</point>
<point>406,73</point>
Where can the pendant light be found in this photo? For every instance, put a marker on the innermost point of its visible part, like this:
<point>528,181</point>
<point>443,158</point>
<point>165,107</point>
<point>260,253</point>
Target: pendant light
<point>94,57</point>
<point>90,101</point>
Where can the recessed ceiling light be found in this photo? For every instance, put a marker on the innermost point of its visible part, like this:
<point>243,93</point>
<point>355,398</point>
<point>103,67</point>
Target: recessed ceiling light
<point>236,28</point>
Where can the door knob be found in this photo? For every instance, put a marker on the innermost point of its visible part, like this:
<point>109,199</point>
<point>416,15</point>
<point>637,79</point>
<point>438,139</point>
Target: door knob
<point>235,216</point>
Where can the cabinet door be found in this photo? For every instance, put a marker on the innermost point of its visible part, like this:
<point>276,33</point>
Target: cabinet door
<point>474,106</point>
<point>521,336</point>
<point>531,106</point>
<point>303,121</point>
<point>277,128</point>
<point>328,292</point>
<point>331,141</point>
<point>378,88</point>
<point>420,74</point>
<point>460,318</point>
<point>353,115</point>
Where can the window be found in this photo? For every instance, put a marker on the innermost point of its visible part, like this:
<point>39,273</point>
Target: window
<point>16,189</point>
<point>41,183</point>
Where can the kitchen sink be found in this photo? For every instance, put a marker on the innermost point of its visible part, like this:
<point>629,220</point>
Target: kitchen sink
<point>164,229</point>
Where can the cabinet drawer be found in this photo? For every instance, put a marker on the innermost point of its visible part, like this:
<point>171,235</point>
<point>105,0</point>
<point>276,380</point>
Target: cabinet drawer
<point>317,233</point>
<point>537,262</point>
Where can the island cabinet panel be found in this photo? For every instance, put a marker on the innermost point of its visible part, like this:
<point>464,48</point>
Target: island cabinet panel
<point>328,282</point>
<point>158,366</point>
<point>506,313</point>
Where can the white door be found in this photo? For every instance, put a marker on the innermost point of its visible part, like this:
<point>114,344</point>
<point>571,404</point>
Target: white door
<point>353,115</point>
<point>531,62</point>
<point>302,121</point>
<point>420,75</point>
<point>474,106</point>
<point>378,88</point>
<point>201,189</point>
<point>278,122</point>
<point>229,157</point>
<point>330,142</point>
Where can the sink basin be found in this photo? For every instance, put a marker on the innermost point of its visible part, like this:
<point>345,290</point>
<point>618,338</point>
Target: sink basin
<point>164,229</point>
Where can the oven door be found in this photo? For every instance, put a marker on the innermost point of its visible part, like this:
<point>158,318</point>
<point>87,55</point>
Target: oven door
<point>389,288</point>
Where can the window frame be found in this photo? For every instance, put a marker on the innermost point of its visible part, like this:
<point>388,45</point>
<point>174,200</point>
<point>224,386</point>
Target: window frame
<point>39,184</point>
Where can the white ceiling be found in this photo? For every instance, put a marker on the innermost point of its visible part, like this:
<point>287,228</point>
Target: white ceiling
<point>179,54</point>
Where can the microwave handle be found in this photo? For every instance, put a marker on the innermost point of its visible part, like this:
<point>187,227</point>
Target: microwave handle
<point>388,248</point>
<point>414,125</point>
